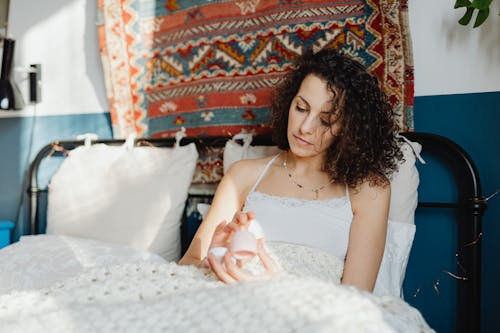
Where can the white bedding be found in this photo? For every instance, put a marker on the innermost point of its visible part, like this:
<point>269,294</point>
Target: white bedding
<point>39,261</point>
<point>147,294</point>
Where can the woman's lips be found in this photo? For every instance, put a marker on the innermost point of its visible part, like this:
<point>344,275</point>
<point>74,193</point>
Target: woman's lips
<point>302,141</point>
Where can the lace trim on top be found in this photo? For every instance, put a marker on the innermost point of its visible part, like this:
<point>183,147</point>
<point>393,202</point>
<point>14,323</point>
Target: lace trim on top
<point>257,196</point>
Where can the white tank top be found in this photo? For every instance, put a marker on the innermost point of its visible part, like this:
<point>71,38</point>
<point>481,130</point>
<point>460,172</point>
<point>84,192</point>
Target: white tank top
<point>322,224</point>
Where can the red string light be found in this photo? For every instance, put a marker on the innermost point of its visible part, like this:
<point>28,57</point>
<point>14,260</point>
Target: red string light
<point>459,277</point>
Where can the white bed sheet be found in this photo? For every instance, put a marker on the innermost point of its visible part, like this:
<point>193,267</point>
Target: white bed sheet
<point>88,286</point>
<point>38,261</point>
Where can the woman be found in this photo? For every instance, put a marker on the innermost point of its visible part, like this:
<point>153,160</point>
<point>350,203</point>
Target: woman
<point>329,187</point>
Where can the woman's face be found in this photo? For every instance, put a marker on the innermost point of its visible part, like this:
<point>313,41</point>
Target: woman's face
<point>310,131</point>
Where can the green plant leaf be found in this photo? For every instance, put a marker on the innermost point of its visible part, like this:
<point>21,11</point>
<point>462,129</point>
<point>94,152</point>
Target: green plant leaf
<point>462,3</point>
<point>481,4</point>
<point>481,17</point>
<point>467,16</point>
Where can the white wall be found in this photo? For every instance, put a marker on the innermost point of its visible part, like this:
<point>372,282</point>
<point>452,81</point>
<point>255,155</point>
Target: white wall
<point>450,58</point>
<point>61,35</point>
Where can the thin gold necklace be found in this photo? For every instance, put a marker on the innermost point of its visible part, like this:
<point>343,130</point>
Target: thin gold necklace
<point>315,190</point>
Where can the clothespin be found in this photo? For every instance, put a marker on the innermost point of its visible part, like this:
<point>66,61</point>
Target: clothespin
<point>415,152</point>
<point>130,141</point>
<point>56,147</point>
<point>179,135</point>
<point>247,139</point>
<point>87,137</point>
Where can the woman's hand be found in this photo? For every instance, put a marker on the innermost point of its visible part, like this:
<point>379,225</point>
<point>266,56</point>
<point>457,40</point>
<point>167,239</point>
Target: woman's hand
<point>227,268</point>
<point>224,231</point>
<point>230,271</point>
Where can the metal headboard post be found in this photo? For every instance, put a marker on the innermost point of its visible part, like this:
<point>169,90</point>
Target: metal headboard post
<point>34,190</point>
<point>468,317</point>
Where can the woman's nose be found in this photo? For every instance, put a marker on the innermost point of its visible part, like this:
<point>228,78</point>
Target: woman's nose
<point>308,124</point>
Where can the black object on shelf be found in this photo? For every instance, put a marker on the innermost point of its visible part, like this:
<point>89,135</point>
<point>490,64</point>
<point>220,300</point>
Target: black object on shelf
<point>10,95</point>
<point>35,94</point>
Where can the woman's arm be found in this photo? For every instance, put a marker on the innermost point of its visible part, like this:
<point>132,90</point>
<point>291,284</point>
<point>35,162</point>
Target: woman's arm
<point>228,199</point>
<point>370,205</point>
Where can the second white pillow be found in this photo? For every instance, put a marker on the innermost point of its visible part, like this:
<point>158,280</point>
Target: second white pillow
<point>126,196</point>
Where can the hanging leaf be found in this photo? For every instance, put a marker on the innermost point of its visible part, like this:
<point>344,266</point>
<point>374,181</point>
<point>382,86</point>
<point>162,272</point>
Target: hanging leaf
<point>462,3</point>
<point>467,16</point>
<point>481,4</point>
<point>481,17</point>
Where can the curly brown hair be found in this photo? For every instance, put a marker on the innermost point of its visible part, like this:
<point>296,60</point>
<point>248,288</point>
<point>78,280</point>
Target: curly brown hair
<point>365,147</point>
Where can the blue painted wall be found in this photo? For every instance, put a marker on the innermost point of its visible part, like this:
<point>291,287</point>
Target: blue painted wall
<point>23,136</point>
<point>471,120</point>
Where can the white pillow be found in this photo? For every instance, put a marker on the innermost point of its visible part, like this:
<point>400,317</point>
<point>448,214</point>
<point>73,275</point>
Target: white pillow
<point>392,269</point>
<point>404,184</point>
<point>130,196</point>
<point>233,151</point>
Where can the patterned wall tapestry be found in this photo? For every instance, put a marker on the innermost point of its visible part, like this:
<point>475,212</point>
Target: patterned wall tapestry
<point>211,65</point>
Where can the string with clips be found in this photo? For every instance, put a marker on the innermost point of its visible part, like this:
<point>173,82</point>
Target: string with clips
<point>460,252</point>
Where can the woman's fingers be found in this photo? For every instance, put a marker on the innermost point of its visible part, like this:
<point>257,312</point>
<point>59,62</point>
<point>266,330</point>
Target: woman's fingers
<point>240,220</point>
<point>219,270</point>
<point>233,226</point>
<point>221,235</point>
<point>227,270</point>
<point>229,273</point>
<point>268,262</point>
<point>250,216</point>
<point>204,263</point>
<point>219,230</point>
<point>243,219</point>
<point>242,261</point>
<point>234,270</point>
<point>221,226</point>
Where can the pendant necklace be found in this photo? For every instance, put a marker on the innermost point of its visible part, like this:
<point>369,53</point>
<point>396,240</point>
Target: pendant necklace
<point>315,190</point>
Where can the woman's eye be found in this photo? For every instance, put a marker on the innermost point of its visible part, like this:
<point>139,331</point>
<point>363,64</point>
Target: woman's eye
<point>325,122</point>
<point>300,108</point>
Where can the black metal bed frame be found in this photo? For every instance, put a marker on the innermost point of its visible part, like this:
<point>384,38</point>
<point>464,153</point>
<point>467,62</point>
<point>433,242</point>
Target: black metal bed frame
<point>466,176</point>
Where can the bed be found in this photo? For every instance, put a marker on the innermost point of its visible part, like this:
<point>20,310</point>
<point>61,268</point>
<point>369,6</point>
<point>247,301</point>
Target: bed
<point>70,278</point>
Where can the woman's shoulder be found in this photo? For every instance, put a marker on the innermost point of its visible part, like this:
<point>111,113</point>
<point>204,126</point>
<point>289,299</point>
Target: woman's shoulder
<point>370,190</point>
<point>250,166</point>
<point>247,171</point>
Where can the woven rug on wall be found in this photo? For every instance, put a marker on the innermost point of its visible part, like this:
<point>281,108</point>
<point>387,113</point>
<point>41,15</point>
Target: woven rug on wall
<point>210,65</point>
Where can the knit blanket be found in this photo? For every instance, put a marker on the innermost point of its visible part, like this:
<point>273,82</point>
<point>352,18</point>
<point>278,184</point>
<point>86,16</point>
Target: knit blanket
<point>166,297</point>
